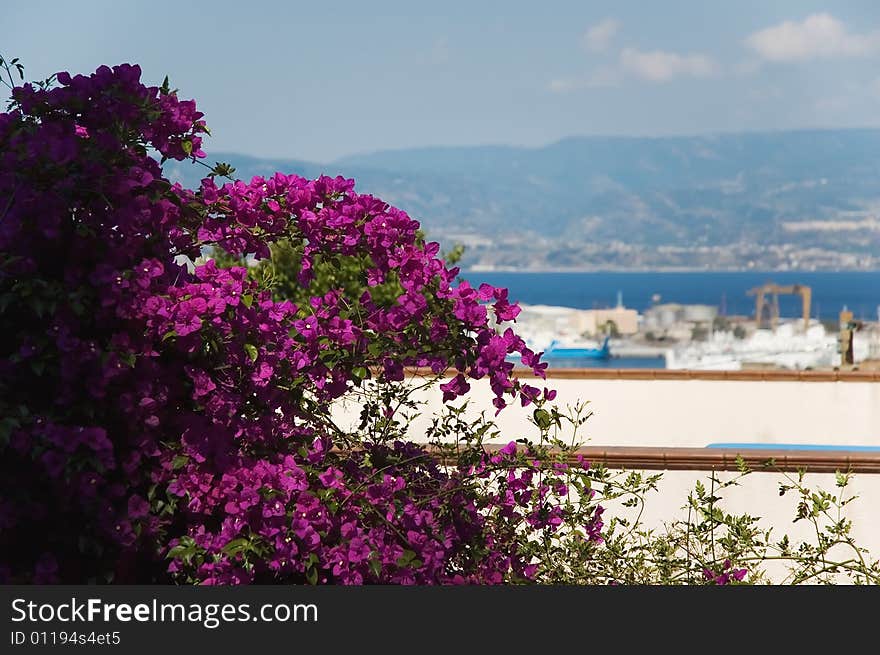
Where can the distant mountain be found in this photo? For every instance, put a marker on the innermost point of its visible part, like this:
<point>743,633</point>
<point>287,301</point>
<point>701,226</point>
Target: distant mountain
<point>791,199</point>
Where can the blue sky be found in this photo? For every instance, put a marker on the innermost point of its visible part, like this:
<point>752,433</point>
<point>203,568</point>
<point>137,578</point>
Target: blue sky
<point>319,80</point>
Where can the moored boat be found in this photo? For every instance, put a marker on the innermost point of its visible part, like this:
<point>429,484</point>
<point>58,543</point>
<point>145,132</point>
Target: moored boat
<point>555,350</point>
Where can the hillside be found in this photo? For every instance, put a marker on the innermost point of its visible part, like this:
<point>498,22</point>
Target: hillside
<point>773,200</point>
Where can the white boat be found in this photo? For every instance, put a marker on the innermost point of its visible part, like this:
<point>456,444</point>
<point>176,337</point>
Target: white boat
<point>785,348</point>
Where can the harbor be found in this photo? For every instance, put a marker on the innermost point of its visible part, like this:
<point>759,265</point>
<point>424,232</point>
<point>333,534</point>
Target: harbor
<point>777,334</point>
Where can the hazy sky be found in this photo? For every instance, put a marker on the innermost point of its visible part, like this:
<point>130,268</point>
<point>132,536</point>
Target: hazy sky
<point>318,80</point>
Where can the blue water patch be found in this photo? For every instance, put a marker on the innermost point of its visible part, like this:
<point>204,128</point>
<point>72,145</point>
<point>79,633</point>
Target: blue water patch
<point>858,290</point>
<point>793,446</point>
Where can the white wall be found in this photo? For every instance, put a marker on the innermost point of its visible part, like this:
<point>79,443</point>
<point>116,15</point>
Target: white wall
<point>694,413</point>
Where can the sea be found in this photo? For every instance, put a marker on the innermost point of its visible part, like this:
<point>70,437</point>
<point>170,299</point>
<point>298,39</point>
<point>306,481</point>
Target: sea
<point>858,291</point>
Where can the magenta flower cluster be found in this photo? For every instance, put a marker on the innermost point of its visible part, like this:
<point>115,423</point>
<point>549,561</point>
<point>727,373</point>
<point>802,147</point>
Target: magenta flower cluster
<point>165,424</point>
<point>726,575</point>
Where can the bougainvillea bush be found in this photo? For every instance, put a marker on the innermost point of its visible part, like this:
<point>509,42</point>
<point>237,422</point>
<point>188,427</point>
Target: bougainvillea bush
<point>166,423</point>
<point>167,418</point>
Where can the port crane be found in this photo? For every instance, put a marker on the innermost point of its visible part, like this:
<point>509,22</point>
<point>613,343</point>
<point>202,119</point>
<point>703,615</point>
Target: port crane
<point>772,303</point>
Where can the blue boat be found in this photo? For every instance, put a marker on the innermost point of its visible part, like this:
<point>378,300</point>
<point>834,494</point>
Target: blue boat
<point>553,350</point>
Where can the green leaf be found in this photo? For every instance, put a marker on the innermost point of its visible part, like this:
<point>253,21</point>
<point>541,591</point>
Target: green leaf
<point>179,461</point>
<point>247,300</point>
<point>236,546</point>
<point>542,419</point>
<point>184,550</point>
<point>270,493</point>
<point>251,350</point>
<point>222,169</point>
<point>406,559</point>
<point>170,334</point>
<point>312,576</point>
<point>187,146</point>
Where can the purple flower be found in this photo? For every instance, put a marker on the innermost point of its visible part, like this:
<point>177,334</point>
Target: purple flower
<point>138,507</point>
<point>358,550</point>
<point>331,478</point>
<point>202,383</point>
<point>503,309</point>
<point>528,394</point>
<point>263,374</point>
<point>457,386</point>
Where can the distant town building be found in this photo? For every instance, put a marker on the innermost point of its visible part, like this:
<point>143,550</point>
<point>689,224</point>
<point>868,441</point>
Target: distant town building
<point>700,313</point>
<point>565,321</point>
<point>595,321</point>
<point>668,315</point>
